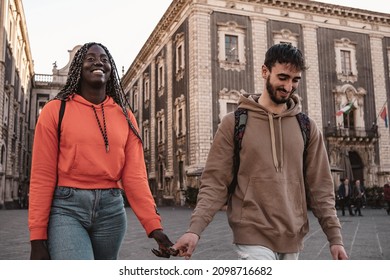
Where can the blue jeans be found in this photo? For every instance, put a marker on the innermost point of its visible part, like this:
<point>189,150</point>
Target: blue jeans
<point>86,224</point>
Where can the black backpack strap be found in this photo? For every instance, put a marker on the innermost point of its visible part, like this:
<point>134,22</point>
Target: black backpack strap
<point>60,117</point>
<point>304,124</point>
<point>240,116</point>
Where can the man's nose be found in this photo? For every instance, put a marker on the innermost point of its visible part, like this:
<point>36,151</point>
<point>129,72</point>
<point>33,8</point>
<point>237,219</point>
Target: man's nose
<point>288,86</point>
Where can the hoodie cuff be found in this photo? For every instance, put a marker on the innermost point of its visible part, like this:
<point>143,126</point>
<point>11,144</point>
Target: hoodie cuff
<point>334,236</point>
<point>38,234</point>
<point>152,225</point>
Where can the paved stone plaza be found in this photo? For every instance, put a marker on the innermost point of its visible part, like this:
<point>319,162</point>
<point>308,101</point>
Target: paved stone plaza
<point>365,238</point>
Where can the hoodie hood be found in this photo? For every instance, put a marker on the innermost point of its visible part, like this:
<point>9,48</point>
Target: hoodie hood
<point>250,102</point>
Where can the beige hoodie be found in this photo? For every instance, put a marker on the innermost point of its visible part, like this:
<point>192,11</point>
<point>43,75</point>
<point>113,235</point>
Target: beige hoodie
<point>268,207</point>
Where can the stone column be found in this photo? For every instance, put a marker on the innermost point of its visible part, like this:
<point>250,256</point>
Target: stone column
<point>200,88</point>
<point>140,102</point>
<point>152,146</point>
<point>312,74</point>
<point>259,48</point>
<point>169,115</point>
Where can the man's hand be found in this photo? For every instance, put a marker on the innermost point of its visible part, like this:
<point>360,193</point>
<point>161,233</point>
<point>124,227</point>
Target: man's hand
<point>39,250</point>
<point>186,244</point>
<point>338,252</point>
<point>165,249</point>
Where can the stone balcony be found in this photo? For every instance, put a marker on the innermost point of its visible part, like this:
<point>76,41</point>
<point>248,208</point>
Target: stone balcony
<point>352,134</point>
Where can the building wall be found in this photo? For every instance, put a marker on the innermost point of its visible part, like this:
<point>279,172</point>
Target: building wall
<point>22,92</point>
<point>16,70</point>
<point>230,80</point>
<point>210,86</point>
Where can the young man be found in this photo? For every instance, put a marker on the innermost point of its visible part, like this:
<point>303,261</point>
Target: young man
<point>345,192</point>
<point>267,212</point>
<point>358,197</point>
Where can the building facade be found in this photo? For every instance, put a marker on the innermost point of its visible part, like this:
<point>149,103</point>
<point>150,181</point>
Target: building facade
<point>46,87</point>
<point>22,95</point>
<point>16,71</point>
<point>204,53</point>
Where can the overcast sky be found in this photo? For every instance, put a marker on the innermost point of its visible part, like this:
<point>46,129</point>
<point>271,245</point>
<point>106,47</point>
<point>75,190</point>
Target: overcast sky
<point>123,26</point>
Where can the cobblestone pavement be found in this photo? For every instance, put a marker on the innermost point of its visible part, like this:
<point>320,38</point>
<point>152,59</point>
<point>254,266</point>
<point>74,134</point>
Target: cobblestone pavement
<point>365,238</point>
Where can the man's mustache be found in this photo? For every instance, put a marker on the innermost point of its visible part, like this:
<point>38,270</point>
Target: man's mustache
<point>285,91</point>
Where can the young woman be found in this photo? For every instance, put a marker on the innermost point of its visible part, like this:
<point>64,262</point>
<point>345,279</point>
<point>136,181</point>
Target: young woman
<point>76,206</point>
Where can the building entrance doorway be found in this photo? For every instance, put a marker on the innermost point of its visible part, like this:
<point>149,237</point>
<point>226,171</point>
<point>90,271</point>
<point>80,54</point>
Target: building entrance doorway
<point>357,166</point>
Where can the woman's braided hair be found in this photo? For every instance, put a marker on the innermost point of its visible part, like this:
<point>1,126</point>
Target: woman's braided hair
<point>113,87</point>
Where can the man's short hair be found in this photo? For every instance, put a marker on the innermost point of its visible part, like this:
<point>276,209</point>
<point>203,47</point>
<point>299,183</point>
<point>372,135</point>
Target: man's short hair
<point>284,53</point>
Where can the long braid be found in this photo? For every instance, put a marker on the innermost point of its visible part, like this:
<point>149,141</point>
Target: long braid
<point>113,88</point>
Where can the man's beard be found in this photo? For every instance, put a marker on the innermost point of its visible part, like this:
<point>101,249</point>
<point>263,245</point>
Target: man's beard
<point>272,93</point>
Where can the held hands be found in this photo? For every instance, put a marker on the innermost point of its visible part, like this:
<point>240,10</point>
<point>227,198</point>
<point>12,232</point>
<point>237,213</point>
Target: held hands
<point>39,250</point>
<point>165,249</point>
<point>186,244</point>
<point>184,247</point>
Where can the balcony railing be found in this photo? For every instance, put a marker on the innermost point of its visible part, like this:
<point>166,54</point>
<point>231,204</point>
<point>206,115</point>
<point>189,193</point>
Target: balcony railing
<point>43,78</point>
<point>359,133</point>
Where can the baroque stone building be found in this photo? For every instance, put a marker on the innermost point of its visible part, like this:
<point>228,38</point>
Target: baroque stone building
<point>46,87</point>
<point>204,53</point>
<point>23,93</point>
<point>16,70</point>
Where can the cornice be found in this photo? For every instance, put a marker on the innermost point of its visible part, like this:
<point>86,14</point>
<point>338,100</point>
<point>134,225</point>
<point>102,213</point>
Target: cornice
<point>326,9</point>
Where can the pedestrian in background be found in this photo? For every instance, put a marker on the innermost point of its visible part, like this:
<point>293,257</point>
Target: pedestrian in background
<point>268,212</point>
<point>363,191</point>
<point>76,205</point>
<point>358,197</point>
<point>345,194</point>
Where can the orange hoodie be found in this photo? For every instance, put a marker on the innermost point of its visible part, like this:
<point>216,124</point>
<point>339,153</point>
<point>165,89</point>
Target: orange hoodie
<point>83,161</point>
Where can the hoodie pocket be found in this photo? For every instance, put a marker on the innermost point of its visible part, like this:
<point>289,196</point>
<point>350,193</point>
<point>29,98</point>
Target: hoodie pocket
<point>275,205</point>
<point>92,160</point>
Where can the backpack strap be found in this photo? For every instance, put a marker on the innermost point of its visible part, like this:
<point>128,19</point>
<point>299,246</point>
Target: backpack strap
<point>60,117</point>
<point>240,116</point>
<point>304,124</point>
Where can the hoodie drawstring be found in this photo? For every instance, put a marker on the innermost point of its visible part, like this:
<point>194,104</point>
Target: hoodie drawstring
<point>278,165</point>
<point>280,144</point>
<point>272,130</point>
<point>103,129</point>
